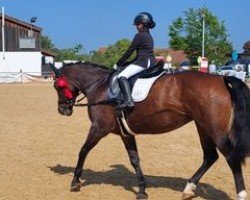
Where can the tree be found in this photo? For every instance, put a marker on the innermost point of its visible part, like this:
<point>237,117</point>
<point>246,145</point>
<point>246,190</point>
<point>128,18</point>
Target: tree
<point>47,44</point>
<point>186,34</point>
<point>246,47</point>
<point>72,53</point>
<point>112,54</point>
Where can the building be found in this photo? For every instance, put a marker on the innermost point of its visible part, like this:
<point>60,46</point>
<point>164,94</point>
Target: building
<point>178,56</point>
<point>20,46</point>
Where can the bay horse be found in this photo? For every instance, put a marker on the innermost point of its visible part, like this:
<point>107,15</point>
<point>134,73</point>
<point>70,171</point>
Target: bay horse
<point>219,106</point>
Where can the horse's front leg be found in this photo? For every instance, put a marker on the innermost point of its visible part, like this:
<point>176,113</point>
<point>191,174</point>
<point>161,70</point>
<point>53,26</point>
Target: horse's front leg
<point>131,148</point>
<point>94,136</point>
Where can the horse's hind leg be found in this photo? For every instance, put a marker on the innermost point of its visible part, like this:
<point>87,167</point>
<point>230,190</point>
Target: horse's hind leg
<point>238,179</point>
<point>235,166</point>
<point>93,138</point>
<point>210,155</point>
<point>131,148</point>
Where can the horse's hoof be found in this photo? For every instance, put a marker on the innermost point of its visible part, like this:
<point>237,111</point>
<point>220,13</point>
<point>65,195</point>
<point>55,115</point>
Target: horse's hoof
<point>188,196</point>
<point>188,192</point>
<point>75,186</point>
<point>141,196</point>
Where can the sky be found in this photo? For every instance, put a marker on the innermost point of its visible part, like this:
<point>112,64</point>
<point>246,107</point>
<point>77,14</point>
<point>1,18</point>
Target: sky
<point>99,23</point>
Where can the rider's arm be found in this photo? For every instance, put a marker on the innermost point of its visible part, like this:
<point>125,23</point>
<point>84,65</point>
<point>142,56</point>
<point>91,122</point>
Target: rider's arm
<point>134,45</point>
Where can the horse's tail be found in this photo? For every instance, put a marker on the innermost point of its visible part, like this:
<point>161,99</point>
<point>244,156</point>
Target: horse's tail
<point>239,137</point>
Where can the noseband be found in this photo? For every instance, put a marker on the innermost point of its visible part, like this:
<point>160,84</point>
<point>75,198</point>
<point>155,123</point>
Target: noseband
<point>70,102</point>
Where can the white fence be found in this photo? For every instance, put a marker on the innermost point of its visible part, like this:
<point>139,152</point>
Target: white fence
<point>23,77</point>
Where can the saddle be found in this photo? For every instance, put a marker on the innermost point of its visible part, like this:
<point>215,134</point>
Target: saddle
<point>140,83</point>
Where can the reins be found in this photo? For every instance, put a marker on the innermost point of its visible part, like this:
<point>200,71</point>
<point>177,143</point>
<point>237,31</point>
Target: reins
<point>102,102</point>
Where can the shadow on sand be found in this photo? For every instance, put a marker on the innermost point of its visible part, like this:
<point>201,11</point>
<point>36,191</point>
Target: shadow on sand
<point>119,175</point>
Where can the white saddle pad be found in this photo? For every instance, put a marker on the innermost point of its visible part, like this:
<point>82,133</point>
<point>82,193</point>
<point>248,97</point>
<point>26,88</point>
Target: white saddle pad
<point>142,87</point>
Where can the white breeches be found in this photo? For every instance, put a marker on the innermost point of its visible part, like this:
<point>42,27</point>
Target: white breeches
<point>132,70</point>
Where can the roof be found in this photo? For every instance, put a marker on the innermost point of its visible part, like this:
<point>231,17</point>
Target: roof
<point>178,56</point>
<point>48,53</point>
<point>102,49</point>
<point>21,23</point>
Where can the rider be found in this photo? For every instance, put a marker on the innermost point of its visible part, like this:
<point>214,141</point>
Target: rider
<point>143,44</point>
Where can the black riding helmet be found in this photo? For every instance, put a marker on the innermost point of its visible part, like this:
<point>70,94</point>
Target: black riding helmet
<point>144,18</point>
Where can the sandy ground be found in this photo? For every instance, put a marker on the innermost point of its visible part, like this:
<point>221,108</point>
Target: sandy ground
<point>39,149</point>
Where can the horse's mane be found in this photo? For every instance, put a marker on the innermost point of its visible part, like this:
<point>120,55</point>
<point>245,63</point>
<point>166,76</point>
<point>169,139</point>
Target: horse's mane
<point>87,63</point>
<point>107,72</point>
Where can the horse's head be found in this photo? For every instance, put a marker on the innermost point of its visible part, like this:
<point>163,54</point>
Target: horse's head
<point>79,77</point>
<point>67,92</point>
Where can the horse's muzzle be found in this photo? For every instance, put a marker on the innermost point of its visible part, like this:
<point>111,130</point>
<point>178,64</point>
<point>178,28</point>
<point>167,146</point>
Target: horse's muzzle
<point>65,110</point>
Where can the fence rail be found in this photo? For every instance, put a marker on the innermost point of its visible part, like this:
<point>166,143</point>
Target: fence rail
<point>25,77</point>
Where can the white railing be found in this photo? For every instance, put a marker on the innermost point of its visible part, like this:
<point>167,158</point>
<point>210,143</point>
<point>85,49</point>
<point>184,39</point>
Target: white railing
<point>25,77</point>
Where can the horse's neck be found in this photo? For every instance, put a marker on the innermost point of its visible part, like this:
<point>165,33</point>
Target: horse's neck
<point>89,79</point>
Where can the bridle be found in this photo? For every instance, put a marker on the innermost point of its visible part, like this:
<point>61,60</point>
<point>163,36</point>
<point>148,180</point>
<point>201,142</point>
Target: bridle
<point>71,101</point>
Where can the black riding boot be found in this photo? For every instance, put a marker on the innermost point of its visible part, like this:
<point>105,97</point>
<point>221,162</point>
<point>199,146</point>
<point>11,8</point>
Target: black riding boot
<point>125,88</point>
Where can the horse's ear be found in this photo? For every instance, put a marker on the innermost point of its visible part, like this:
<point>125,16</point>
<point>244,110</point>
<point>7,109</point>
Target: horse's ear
<point>57,71</point>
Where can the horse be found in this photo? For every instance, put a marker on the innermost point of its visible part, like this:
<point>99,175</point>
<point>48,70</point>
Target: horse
<point>219,106</point>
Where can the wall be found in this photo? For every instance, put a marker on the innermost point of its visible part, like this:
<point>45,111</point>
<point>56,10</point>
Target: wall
<point>29,62</point>
<point>16,29</point>
<point>49,59</point>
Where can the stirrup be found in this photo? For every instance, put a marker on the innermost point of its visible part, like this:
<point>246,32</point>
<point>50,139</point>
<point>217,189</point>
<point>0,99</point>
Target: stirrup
<point>128,104</point>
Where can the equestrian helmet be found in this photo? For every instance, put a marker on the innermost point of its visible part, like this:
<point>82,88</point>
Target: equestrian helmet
<point>144,18</point>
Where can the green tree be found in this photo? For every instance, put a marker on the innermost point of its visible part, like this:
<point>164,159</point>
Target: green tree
<point>112,54</point>
<point>72,53</point>
<point>47,44</point>
<point>98,57</point>
<point>186,34</point>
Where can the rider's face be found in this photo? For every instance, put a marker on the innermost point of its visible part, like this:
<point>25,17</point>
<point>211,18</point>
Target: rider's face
<point>139,26</point>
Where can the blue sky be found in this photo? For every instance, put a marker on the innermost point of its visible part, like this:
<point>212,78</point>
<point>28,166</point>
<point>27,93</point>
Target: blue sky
<point>98,23</point>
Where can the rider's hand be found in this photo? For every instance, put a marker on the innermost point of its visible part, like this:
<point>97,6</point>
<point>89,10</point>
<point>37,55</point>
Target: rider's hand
<point>115,66</point>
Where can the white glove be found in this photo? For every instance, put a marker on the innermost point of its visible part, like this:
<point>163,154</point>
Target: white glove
<point>115,66</point>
